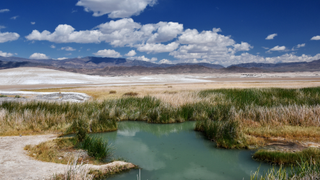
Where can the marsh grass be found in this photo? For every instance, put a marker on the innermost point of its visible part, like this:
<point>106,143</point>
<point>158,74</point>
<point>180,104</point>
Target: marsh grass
<point>258,112</point>
<point>305,170</point>
<point>75,171</point>
<point>226,134</point>
<point>96,147</point>
<point>288,158</point>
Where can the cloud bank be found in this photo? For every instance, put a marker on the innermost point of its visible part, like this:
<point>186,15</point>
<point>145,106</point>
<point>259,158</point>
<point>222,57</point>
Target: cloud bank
<point>185,45</point>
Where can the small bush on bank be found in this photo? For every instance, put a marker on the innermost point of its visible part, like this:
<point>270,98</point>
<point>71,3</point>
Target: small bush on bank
<point>227,134</point>
<point>96,147</point>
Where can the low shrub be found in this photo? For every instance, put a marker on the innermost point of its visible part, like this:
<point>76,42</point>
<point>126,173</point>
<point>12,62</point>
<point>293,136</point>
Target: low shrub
<point>131,94</point>
<point>96,147</point>
<point>112,92</point>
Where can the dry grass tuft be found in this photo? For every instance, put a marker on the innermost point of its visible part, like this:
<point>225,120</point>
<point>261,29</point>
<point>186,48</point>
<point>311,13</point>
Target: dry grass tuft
<point>130,94</point>
<point>75,171</point>
<point>112,92</point>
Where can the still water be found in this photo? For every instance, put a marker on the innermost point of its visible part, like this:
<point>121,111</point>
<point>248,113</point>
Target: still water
<point>177,152</point>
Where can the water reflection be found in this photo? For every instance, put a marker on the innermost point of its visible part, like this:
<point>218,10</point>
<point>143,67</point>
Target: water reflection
<point>177,152</point>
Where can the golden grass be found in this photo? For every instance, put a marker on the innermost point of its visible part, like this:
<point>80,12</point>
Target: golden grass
<point>288,132</point>
<point>61,150</point>
<point>103,92</point>
<point>28,123</point>
<point>291,122</point>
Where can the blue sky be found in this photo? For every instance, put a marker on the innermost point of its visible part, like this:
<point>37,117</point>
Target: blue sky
<point>163,31</point>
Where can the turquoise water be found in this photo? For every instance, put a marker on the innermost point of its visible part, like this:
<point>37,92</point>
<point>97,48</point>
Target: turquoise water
<point>177,152</point>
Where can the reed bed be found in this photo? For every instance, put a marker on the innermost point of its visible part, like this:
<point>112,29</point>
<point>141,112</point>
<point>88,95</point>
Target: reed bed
<point>288,158</point>
<point>305,170</point>
<point>253,110</point>
<point>233,118</point>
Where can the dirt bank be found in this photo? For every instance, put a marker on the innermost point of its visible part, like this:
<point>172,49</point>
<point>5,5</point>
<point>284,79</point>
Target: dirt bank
<point>16,165</point>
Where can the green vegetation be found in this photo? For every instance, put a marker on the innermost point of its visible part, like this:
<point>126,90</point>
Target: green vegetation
<point>288,158</point>
<point>233,118</point>
<point>53,151</point>
<point>1,95</point>
<point>226,134</point>
<point>96,147</point>
<point>305,170</point>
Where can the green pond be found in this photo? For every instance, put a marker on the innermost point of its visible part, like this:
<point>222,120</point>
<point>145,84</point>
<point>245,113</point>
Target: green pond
<point>177,152</point>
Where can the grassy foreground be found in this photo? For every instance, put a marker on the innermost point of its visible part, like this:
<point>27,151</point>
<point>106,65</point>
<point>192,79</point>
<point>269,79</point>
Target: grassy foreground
<point>233,118</point>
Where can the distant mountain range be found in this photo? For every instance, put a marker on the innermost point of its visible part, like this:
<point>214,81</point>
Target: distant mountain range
<point>121,66</point>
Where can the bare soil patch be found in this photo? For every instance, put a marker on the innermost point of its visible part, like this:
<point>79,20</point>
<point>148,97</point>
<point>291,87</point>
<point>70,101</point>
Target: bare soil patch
<point>17,165</point>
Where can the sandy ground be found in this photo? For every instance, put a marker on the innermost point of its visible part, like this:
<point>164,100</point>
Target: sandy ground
<point>39,78</point>
<point>16,165</point>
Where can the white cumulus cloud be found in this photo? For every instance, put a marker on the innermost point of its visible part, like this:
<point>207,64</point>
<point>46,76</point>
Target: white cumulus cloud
<point>158,48</point>
<point>131,53</point>
<point>4,10</point>
<point>108,53</point>
<point>62,58</point>
<point>125,23</point>
<point>68,48</point>
<point>166,32</point>
<point>119,33</point>
<point>33,23</point>
<point>53,46</point>
<point>5,54</point>
<point>66,34</point>
<point>115,8</point>
<point>143,58</point>
<point>8,36</point>
<point>278,48</point>
<point>38,56</point>
<point>301,45</point>
<point>165,61</point>
<point>315,37</point>
<point>14,17</point>
<point>207,46</point>
<point>271,36</point>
